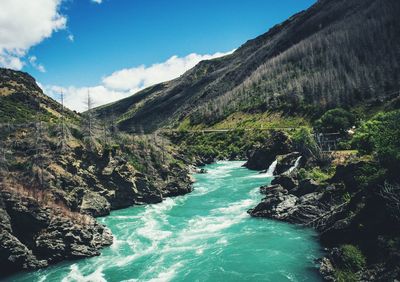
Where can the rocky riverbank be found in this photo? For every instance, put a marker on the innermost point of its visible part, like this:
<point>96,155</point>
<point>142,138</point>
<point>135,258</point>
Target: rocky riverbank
<point>34,236</point>
<point>349,210</point>
<point>48,201</point>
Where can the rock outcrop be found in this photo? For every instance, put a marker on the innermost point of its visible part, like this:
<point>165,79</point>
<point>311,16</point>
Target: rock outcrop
<point>261,157</point>
<point>344,210</point>
<point>285,162</point>
<point>34,236</point>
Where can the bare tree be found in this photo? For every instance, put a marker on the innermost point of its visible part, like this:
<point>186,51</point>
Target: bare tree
<point>39,153</point>
<point>63,132</point>
<point>391,194</point>
<point>88,122</point>
<point>113,126</point>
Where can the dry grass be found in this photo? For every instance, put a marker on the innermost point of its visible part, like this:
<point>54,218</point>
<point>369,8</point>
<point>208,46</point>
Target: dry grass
<point>46,200</point>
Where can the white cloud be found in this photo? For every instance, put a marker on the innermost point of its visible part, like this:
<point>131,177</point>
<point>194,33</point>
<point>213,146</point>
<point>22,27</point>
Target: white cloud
<point>126,82</point>
<point>75,97</point>
<point>142,76</point>
<point>24,24</point>
<point>97,1</point>
<point>71,37</point>
<point>35,64</point>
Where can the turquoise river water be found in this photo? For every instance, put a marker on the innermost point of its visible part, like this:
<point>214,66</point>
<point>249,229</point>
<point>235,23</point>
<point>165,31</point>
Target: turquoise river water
<point>203,236</point>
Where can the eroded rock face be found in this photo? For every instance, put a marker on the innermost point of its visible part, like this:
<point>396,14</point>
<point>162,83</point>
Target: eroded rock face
<point>33,236</point>
<point>286,181</point>
<point>285,162</point>
<point>307,186</point>
<point>290,200</point>
<point>95,184</point>
<point>262,157</point>
<point>95,204</point>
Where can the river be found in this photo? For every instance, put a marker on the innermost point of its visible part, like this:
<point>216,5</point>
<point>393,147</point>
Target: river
<point>203,236</point>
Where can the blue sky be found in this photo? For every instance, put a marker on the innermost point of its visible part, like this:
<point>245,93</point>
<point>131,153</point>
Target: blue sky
<point>122,34</point>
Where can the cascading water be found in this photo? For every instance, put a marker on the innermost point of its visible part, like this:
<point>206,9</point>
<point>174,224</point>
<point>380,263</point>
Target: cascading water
<point>206,235</point>
<point>296,165</point>
<point>271,169</point>
<point>268,173</point>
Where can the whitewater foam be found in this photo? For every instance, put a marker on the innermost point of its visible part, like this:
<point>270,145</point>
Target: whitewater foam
<point>76,276</point>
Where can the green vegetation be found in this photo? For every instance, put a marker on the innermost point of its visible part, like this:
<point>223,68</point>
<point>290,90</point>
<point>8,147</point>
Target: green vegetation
<point>14,110</point>
<point>317,174</point>
<point>219,145</point>
<point>380,136</point>
<point>304,140</point>
<point>336,120</point>
<point>352,260</point>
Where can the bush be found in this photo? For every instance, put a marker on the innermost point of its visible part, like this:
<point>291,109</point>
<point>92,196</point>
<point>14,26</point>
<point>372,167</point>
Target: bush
<point>352,258</point>
<point>316,173</point>
<point>380,136</point>
<point>304,140</point>
<point>345,276</point>
<point>336,120</point>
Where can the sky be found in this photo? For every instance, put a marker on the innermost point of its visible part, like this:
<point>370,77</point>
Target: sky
<point>115,48</point>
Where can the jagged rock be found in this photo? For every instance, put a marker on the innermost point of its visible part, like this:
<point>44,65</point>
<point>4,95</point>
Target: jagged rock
<point>272,189</point>
<point>327,270</point>
<point>306,186</point>
<point>285,181</point>
<point>285,162</point>
<point>275,207</point>
<point>174,189</point>
<point>32,236</point>
<point>95,204</point>
<point>15,256</point>
<point>201,171</point>
<point>347,174</point>
<point>148,193</point>
<point>263,156</point>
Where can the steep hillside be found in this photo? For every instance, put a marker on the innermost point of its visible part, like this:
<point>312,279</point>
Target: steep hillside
<point>337,53</point>
<point>22,100</point>
<point>56,175</point>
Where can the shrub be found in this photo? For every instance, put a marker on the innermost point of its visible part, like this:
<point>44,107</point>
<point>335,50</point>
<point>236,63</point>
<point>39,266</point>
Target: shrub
<point>352,258</point>
<point>345,276</point>
<point>380,136</point>
<point>336,120</point>
<point>304,140</point>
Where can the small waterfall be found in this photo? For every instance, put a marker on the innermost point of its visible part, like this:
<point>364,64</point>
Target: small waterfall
<point>296,164</point>
<point>271,169</point>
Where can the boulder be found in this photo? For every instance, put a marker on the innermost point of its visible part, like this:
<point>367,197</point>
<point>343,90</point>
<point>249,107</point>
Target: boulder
<point>275,207</point>
<point>272,189</point>
<point>326,269</point>
<point>306,186</point>
<point>95,204</point>
<point>176,188</point>
<point>286,181</point>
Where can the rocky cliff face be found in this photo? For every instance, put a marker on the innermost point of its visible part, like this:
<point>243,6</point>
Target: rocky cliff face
<point>34,235</point>
<point>345,209</point>
<point>54,180</point>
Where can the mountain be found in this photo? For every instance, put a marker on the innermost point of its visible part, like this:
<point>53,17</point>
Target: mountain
<point>338,53</point>
<point>22,100</point>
